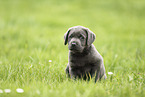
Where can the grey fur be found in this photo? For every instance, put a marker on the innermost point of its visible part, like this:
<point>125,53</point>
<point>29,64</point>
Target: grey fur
<point>84,60</point>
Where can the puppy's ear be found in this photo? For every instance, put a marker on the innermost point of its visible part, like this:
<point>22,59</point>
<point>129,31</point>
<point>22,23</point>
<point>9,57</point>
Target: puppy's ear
<point>66,36</point>
<point>90,36</point>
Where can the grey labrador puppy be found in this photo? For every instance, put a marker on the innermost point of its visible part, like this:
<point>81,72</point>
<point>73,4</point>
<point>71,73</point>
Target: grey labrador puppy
<point>84,60</point>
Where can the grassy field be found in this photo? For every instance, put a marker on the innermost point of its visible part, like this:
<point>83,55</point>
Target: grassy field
<point>33,56</point>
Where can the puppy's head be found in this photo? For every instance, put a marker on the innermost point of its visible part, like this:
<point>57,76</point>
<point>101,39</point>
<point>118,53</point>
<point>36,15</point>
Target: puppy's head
<point>78,38</point>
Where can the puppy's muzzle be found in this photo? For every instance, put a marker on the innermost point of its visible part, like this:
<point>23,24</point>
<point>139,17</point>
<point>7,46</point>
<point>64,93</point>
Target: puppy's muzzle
<point>73,44</point>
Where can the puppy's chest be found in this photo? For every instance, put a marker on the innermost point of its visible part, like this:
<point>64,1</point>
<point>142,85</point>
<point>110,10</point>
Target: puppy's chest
<point>78,62</point>
<point>80,66</point>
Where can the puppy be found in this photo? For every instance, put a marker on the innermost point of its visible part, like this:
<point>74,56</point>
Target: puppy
<point>84,61</point>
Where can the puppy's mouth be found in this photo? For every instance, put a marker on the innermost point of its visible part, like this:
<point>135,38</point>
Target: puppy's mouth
<point>75,49</point>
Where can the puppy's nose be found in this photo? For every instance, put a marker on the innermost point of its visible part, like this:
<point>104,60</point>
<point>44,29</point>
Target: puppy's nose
<point>73,44</point>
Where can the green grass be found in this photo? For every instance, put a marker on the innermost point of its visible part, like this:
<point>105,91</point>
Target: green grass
<point>31,34</point>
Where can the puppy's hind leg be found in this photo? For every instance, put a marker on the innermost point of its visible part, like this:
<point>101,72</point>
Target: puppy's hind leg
<point>100,74</point>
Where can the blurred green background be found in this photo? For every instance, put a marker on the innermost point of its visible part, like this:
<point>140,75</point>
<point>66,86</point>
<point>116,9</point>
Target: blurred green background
<point>31,34</point>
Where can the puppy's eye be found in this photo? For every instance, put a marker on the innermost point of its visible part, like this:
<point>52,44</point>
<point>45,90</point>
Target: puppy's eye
<point>70,36</point>
<point>81,37</point>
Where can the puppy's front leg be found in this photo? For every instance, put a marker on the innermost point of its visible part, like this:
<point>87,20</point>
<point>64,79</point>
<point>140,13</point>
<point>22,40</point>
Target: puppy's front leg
<point>97,75</point>
<point>95,71</point>
<point>67,70</point>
